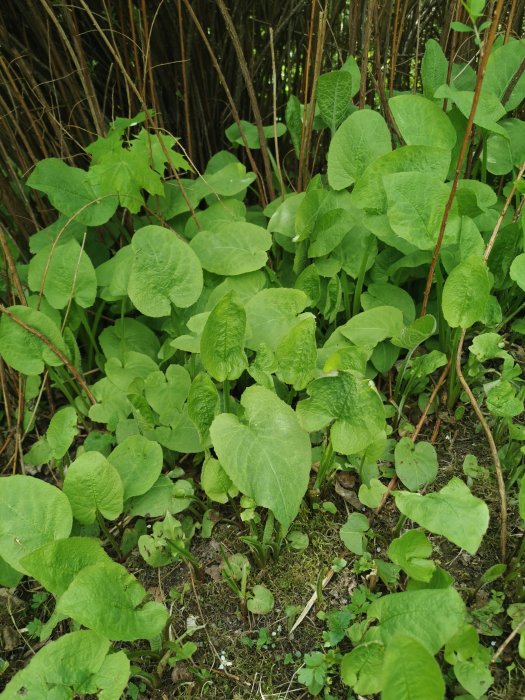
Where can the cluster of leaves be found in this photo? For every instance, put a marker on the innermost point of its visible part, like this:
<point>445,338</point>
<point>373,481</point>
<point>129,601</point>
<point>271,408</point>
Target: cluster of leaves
<point>250,340</point>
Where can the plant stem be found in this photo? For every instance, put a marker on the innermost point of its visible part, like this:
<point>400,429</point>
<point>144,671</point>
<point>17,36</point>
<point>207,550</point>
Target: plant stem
<point>108,535</point>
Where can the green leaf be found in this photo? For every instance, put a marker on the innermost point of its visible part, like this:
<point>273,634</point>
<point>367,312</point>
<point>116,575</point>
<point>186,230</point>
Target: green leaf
<point>369,328</point>
<point>271,314</point>
<point>163,497</point>
<point>138,462</point>
<point>296,355</point>
<point>466,293</point>
<point>293,118</point>
<point>36,354</point>
<point>9,577</point>
<point>434,68</point>
<point>107,599</point>
<point>416,333</point>
<point>72,193</point>
<point>56,564</point>
<point>502,67</point>
<point>268,457</point>
<point>166,393</point>
<point>261,601</point>
<point>353,532</point>
<point>410,672</point>
<point>370,496</point>
<point>384,294</point>
<point>361,138</point>
<point>517,270</point>
<point>522,498</point>
<point>32,513</point>
<point>251,133</point>
<point>411,552</point>
<point>77,664</point>
<point>354,405</point>
<point>93,484</point>
<point>164,271</point>
<point>362,668</point>
<point>203,403</point>
<point>452,512</point>
<point>232,248</point>
<point>64,273</point>
<point>422,122</point>
<point>215,483</point>
<point>334,96</point>
<point>502,400</point>
<point>416,463</point>
<point>416,204</point>
<point>488,111</point>
<point>128,333</point>
<point>430,616</point>
<point>62,431</point>
<point>222,340</point>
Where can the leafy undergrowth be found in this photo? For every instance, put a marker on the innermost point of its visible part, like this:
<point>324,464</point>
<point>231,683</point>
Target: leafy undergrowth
<point>226,410</point>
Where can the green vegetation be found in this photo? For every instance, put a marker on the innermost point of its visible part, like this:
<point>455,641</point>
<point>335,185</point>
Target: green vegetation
<point>198,366</point>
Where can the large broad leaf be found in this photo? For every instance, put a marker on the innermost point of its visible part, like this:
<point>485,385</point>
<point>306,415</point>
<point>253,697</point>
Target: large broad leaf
<point>270,315</point>
<point>452,512</point>
<point>489,109</point>
<point>71,192</point>
<point>56,564</point>
<point>517,270</point>
<point>222,340</point>
<point>268,456</point>
<point>434,68</point>
<point>360,139</point>
<point>416,203</point>
<point>167,392</point>
<point>32,513</point>
<point>93,485</point>
<point>416,463</point>
<point>138,462</point>
<point>410,672</point>
<point>64,273</point>
<point>422,122</point>
<point>384,294</point>
<point>334,96</point>
<point>164,496</point>
<point>370,327</point>
<point>76,665</point>
<point>164,271</point>
<point>430,616</point>
<point>23,350</point>
<point>62,430</point>
<point>352,403</point>
<point>466,293</point>
<point>128,333</point>
<point>232,248</point>
<point>109,600</point>
<point>362,668</point>
<point>203,403</point>
<point>503,67</point>
<point>369,192</point>
<point>411,552</point>
<point>296,355</point>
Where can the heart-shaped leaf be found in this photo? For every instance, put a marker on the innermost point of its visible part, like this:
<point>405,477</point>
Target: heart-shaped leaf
<point>416,463</point>
<point>93,485</point>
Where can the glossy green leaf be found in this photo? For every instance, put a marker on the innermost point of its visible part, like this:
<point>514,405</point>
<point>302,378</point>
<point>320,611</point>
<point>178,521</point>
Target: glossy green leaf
<point>36,353</point>
<point>370,327</point>
<point>64,272</point>
<point>268,455</point>
<point>77,664</point>
<point>411,552</point>
<point>416,463</point>
<point>222,340</point>
<point>271,314</point>
<point>410,672</point>
<point>296,355</point>
<point>362,668</point>
<point>416,204</point>
<point>107,599</point>
<point>56,564</point>
<point>334,96</point>
<point>32,513</point>
<point>138,462</point>
<point>232,248</point>
<point>164,271</point>
<point>452,512</point>
<point>466,293</point>
<point>72,193</point>
<point>361,138</point>
<point>430,616</point>
<point>92,485</point>
<point>422,122</point>
<point>352,403</point>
